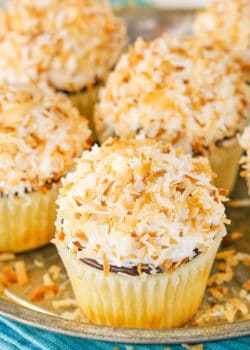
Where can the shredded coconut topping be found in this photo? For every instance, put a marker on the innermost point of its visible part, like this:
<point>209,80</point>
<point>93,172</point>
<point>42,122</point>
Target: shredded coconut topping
<point>175,90</point>
<point>245,144</point>
<point>133,202</point>
<point>40,134</point>
<point>71,44</point>
<point>229,22</point>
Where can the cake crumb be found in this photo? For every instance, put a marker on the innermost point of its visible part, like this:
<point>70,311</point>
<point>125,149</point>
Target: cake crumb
<point>21,273</point>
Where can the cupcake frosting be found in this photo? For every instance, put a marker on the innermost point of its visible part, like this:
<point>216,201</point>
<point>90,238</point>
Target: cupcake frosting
<point>133,202</point>
<point>229,22</point>
<point>175,90</point>
<point>40,134</point>
<point>71,44</point>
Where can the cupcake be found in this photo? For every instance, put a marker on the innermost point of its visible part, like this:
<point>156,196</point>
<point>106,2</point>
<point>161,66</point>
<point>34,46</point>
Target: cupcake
<point>245,160</point>
<point>138,226</point>
<point>40,134</point>
<point>72,45</point>
<point>183,93</point>
<point>227,21</point>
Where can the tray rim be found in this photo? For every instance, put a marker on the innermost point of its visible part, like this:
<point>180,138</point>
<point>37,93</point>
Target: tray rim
<point>89,331</point>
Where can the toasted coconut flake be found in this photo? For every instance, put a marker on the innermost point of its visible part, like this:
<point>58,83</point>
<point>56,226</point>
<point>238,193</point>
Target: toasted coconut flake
<point>64,304</point>
<point>38,293</point>
<point>230,312</point>
<point>47,281</point>
<point>55,273</point>
<point>225,254</point>
<point>246,285</point>
<point>21,273</point>
<point>7,257</point>
<point>38,263</point>
<point>235,236</point>
<point>219,292</point>
<point>8,276</point>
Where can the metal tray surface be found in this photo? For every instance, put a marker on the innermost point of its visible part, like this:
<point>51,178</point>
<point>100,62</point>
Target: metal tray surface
<point>147,23</point>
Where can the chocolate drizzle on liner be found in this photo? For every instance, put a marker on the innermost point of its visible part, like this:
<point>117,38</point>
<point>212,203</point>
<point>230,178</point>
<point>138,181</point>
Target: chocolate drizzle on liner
<point>132,271</point>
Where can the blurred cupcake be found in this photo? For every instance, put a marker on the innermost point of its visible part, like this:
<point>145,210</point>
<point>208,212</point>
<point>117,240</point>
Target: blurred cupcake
<point>40,134</point>
<point>70,44</point>
<point>182,93</point>
<point>245,160</point>
<point>227,21</point>
<point>138,226</point>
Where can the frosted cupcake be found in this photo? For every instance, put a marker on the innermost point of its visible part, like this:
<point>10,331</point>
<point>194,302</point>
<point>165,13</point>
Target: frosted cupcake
<point>182,93</point>
<point>227,21</point>
<point>245,160</point>
<point>70,44</point>
<point>40,134</point>
<point>138,226</point>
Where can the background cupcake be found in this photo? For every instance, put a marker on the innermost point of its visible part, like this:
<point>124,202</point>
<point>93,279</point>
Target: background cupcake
<point>245,143</point>
<point>138,226</point>
<point>227,21</point>
<point>40,134</point>
<point>181,92</point>
<point>70,44</point>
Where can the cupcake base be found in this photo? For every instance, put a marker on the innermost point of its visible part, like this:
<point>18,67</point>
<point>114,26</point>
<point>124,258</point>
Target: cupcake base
<point>27,223</point>
<point>148,301</point>
<point>224,161</point>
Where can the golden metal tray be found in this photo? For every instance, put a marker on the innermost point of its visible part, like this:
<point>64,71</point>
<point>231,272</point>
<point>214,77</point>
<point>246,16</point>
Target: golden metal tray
<point>148,23</point>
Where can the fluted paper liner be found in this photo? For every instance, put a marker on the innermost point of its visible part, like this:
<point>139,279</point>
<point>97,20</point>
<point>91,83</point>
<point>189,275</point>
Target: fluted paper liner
<point>148,301</point>
<point>224,161</point>
<point>27,223</point>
